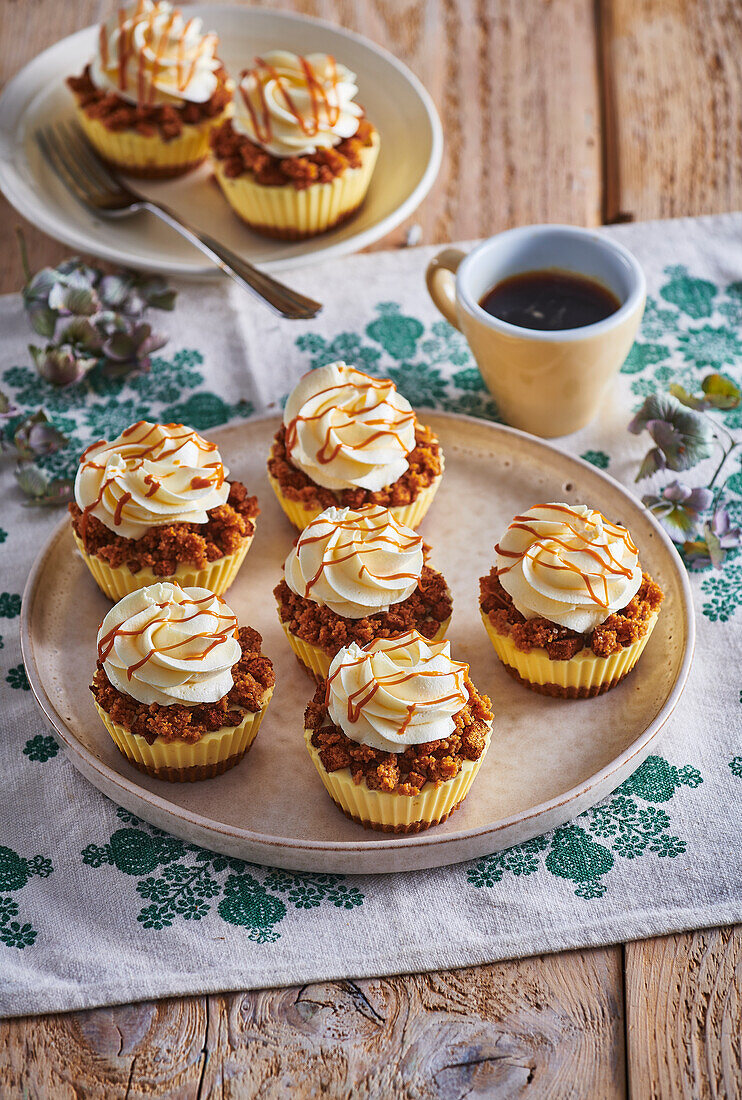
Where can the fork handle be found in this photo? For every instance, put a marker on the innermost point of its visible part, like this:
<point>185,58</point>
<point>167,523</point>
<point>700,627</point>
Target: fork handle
<point>282,299</point>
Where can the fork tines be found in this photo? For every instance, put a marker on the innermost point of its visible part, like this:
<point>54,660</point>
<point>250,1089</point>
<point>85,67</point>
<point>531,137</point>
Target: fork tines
<point>69,154</point>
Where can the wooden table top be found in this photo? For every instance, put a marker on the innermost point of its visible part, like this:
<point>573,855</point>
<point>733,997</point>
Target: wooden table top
<point>582,111</point>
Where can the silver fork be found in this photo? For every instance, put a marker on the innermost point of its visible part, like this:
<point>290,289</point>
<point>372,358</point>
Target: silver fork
<point>97,188</point>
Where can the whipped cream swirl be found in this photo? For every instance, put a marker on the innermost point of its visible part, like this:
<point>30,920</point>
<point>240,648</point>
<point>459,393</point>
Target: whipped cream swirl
<point>357,563</point>
<point>150,54</point>
<point>568,564</point>
<point>291,106</point>
<point>347,430</point>
<point>396,692</point>
<point>166,644</point>
<point>150,475</point>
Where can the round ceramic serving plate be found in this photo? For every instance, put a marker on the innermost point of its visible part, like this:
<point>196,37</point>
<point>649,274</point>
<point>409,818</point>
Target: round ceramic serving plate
<point>549,759</point>
<point>394,100</point>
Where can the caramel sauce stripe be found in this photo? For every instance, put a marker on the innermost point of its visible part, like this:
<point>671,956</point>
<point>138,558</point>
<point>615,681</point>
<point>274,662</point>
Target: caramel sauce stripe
<point>136,453</point>
<point>318,93</point>
<point>217,636</point>
<point>387,426</point>
<point>606,560</point>
<point>365,543</point>
<point>358,699</point>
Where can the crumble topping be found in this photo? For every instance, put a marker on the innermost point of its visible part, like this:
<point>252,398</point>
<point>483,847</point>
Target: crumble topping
<point>164,547</point>
<point>166,121</point>
<point>253,675</point>
<point>621,628</point>
<point>428,606</point>
<point>239,155</point>
<point>425,464</point>
<point>405,772</point>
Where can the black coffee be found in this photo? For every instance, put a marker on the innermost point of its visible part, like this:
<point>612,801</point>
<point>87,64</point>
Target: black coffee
<point>550,300</point>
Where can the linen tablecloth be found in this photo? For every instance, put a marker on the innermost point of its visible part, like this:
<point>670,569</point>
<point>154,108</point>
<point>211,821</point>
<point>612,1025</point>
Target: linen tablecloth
<point>97,907</point>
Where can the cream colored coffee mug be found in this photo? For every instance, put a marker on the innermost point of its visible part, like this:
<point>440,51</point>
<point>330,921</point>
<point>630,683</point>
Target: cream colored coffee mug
<point>546,382</point>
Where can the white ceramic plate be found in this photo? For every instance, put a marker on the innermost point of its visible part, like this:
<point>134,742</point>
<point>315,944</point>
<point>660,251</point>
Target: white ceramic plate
<point>549,759</point>
<point>394,99</point>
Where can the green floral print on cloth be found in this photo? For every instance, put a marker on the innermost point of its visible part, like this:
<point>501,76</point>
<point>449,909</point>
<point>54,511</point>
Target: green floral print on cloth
<point>184,881</point>
<point>15,871</point>
<point>693,329</point>
<point>177,919</point>
<point>584,852</point>
<point>10,605</point>
<point>17,678</point>
<point>417,359</point>
<point>41,748</point>
<point>109,404</point>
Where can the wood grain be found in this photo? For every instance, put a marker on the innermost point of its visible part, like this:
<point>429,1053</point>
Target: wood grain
<point>673,113</point>
<point>515,85</point>
<point>684,1015</point>
<point>508,1030</point>
<point>26,28</point>
<point>550,113</point>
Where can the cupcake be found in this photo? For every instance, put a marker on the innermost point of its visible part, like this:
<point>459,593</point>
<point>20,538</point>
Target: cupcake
<point>567,606</point>
<point>354,576</point>
<point>179,686</point>
<point>153,92</point>
<point>155,503</point>
<point>397,733</point>
<point>298,156</point>
<point>348,440</point>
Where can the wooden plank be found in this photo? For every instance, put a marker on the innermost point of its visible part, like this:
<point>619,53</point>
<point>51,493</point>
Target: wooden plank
<point>27,29</point>
<point>517,91</point>
<point>684,1015</point>
<point>139,1050</point>
<point>515,85</point>
<point>543,1027</point>
<point>673,107</point>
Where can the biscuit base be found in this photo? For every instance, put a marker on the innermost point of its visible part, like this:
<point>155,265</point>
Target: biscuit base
<point>581,677</point>
<point>389,812</point>
<point>149,156</point>
<point>317,663</point>
<point>411,515</point>
<point>118,581</point>
<point>282,210</point>
<point>187,761</point>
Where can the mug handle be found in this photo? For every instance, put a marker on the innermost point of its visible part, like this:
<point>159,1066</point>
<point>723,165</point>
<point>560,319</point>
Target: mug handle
<point>441,283</point>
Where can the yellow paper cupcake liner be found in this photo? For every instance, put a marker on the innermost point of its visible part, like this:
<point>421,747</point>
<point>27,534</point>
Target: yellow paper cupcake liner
<point>411,515</point>
<point>317,662</point>
<point>582,676</point>
<point>183,761</point>
<point>389,812</point>
<point>284,211</point>
<point>150,155</point>
<point>117,582</point>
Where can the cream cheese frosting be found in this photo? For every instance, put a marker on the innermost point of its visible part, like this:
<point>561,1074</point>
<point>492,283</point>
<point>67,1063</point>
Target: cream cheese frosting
<point>396,692</point>
<point>568,564</point>
<point>357,563</point>
<point>291,106</point>
<point>166,644</point>
<point>347,430</point>
<point>150,54</point>
<point>150,475</point>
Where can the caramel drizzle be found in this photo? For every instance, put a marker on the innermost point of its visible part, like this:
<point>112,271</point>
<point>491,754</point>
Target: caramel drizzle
<point>363,695</point>
<point>386,426</point>
<point>218,636</point>
<point>612,566</point>
<point>373,540</point>
<point>320,97</point>
<point>146,84</point>
<point>135,462</point>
